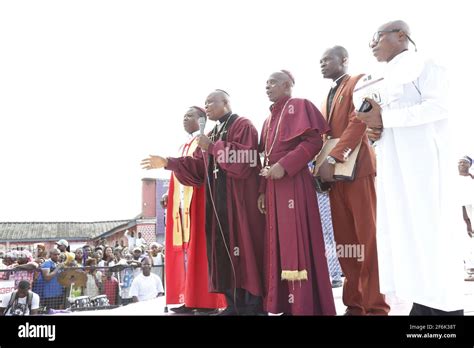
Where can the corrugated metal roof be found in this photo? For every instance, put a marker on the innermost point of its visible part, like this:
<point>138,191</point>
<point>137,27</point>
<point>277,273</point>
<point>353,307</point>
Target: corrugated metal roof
<point>23,231</point>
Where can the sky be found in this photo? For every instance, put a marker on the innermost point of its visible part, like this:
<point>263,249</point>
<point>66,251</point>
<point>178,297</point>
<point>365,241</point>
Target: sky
<point>89,88</point>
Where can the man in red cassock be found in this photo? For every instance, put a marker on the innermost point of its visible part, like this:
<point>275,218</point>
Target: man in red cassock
<point>187,277</point>
<point>296,274</point>
<point>227,162</point>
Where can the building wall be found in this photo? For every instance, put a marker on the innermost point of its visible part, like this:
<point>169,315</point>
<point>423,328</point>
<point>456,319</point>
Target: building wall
<point>148,198</point>
<point>148,232</point>
<point>161,188</point>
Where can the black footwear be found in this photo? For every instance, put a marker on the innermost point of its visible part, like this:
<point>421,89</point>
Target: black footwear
<point>182,310</point>
<point>229,311</point>
<point>353,311</point>
<point>206,311</point>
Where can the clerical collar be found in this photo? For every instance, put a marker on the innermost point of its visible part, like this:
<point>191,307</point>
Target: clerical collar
<point>338,81</point>
<point>193,134</point>
<point>280,102</point>
<point>224,118</point>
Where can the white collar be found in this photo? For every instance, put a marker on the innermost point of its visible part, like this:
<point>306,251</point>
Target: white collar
<point>193,135</point>
<point>404,68</point>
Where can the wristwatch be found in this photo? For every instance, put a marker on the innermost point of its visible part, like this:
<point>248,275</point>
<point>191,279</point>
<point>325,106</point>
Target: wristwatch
<point>331,160</point>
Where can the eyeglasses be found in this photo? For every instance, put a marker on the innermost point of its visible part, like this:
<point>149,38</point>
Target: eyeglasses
<point>379,34</point>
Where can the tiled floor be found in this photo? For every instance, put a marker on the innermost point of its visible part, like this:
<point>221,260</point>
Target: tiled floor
<point>157,306</point>
<point>399,307</point>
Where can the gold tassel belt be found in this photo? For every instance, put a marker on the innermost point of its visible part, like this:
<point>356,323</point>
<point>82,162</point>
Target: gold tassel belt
<point>294,275</point>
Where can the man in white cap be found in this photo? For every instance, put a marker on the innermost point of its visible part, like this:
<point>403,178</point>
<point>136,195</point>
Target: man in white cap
<point>63,245</point>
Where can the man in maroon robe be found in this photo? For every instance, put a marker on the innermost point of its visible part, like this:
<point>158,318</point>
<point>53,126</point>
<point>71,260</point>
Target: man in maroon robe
<point>296,274</point>
<point>226,161</point>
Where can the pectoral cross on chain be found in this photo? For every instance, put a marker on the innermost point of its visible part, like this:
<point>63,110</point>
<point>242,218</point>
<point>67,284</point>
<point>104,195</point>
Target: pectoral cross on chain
<point>215,171</point>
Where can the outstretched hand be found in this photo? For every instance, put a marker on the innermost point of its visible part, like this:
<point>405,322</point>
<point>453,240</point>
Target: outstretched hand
<point>154,162</point>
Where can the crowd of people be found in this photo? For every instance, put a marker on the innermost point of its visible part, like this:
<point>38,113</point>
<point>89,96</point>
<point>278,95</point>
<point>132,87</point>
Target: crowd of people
<point>110,275</point>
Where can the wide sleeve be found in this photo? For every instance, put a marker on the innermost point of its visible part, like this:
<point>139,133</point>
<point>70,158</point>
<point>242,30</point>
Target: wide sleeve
<point>189,171</point>
<point>239,156</point>
<point>433,91</point>
<point>297,159</point>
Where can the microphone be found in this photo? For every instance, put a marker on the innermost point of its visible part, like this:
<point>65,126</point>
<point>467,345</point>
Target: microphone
<point>202,125</point>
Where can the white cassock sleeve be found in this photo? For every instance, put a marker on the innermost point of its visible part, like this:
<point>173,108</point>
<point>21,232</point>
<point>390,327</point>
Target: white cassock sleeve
<point>433,86</point>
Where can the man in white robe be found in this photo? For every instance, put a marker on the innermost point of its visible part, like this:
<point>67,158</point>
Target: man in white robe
<point>465,190</point>
<point>418,244</point>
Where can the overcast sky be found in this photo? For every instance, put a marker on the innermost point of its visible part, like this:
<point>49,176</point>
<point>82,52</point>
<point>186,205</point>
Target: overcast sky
<point>89,88</point>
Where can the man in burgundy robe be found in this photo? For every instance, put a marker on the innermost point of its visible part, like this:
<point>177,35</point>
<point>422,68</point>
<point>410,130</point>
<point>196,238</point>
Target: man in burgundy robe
<point>187,275</point>
<point>227,162</point>
<point>296,274</point>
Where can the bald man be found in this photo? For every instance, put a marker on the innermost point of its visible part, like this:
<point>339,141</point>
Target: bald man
<point>296,273</point>
<point>352,202</point>
<point>226,161</point>
<point>418,248</point>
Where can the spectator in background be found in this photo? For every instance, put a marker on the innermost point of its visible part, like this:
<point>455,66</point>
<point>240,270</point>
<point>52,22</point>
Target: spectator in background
<point>147,285</point>
<point>137,255</point>
<point>3,265</point>
<point>94,279</point>
<point>111,287</point>
<point>63,245</point>
<point>465,192</point>
<point>7,263</point>
<point>108,257</point>
<point>87,252</point>
<point>118,258</point>
<point>130,239</point>
<point>157,259</point>
<point>79,258</point>
<point>40,252</point>
<point>21,301</point>
<point>140,241</point>
<point>24,268</point>
<point>99,257</point>
<point>126,279</point>
<point>53,292</point>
